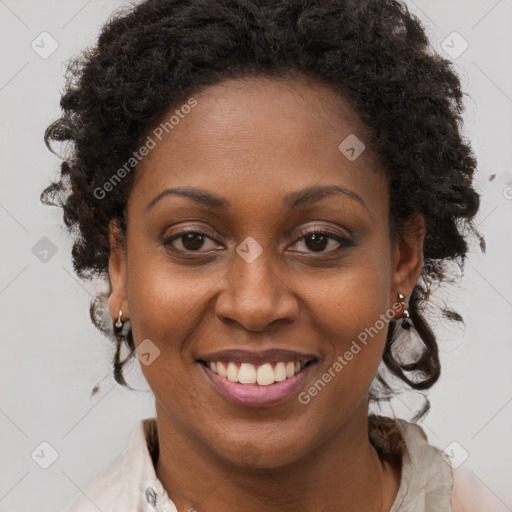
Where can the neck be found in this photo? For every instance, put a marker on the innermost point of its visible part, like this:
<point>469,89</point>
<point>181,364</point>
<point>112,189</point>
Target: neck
<point>345,473</point>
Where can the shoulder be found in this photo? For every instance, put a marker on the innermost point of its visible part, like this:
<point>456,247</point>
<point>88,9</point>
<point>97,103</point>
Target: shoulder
<point>101,492</point>
<point>471,495</point>
<point>459,488</point>
<point>425,477</point>
<point>120,486</point>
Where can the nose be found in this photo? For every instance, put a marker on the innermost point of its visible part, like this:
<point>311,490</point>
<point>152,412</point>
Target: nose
<point>256,295</point>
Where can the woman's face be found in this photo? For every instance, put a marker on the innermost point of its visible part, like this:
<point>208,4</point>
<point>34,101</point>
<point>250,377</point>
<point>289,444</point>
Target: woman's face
<point>256,152</point>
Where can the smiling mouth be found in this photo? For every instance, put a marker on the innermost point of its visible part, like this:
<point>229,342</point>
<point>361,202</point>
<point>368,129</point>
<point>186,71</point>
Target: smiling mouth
<point>265,374</point>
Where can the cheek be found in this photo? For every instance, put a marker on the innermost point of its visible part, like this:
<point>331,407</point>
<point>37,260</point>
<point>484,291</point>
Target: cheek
<point>165,298</point>
<point>352,313</point>
<point>352,299</point>
<point>163,304</point>
<point>165,308</point>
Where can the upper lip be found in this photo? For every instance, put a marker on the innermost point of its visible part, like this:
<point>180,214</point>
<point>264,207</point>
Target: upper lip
<point>247,356</point>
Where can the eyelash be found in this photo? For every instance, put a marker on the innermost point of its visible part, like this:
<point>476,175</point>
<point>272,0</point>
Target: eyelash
<point>344,242</point>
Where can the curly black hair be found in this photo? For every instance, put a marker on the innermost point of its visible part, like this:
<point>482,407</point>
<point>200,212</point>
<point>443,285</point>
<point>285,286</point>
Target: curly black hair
<point>151,56</point>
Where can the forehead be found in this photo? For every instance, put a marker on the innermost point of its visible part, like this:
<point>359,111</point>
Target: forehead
<point>259,136</point>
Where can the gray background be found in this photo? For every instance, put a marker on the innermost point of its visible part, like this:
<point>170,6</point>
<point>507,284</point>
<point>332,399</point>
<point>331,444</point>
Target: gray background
<point>52,356</point>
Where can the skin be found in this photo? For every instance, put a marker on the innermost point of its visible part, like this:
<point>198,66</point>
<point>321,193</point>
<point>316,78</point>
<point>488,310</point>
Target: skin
<point>252,141</point>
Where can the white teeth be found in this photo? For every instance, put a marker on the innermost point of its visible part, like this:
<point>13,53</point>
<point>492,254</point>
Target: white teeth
<point>280,372</point>
<point>232,372</point>
<point>247,374</point>
<point>263,375</point>
<point>222,369</point>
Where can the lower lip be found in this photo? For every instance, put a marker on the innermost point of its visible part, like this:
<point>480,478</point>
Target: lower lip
<point>255,395</point>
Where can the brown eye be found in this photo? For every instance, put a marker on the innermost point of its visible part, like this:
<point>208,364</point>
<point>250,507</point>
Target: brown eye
<point>189,241</point>
<point>318,241</point>
<point>192,241</point>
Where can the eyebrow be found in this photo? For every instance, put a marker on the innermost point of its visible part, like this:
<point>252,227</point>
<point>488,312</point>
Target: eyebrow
<point>299,198</point>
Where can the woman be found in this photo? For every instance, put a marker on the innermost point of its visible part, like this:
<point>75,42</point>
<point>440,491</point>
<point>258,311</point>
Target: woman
<point>272,189</point>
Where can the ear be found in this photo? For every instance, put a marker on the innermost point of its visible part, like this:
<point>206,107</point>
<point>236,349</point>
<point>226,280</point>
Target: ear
<point>117,271</point>
<point>408,257</point>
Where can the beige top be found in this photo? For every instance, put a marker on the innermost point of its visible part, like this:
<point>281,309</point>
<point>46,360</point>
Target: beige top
<point>426,482</point>
<point>129,483</point>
